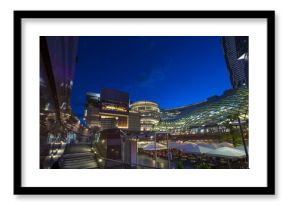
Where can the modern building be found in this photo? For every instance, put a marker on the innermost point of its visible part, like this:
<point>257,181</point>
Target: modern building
<point>58,56</point>
<point>107,110</point>
<point>92,109</point>
<point>149,114</point>
<point>211,115</point>
<point>108,122</point>
<point>114,110</point>
<point>134,121</point>
<point>236,51</point>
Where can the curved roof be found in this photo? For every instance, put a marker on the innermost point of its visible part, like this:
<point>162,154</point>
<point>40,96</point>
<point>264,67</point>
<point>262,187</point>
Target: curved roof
<point>215,111</point>
<point>144,102</point>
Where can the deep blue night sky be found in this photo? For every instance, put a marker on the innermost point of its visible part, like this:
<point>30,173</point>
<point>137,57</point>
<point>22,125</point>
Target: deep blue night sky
<point>172,71</point>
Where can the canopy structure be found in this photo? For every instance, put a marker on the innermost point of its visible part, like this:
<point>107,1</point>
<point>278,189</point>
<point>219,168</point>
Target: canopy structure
<point>227,152</point>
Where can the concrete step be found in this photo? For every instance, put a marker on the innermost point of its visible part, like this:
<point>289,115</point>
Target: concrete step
<point>79,162</point>
<point>79,156</point>
<point>82,154</point>
<point>86,166</point>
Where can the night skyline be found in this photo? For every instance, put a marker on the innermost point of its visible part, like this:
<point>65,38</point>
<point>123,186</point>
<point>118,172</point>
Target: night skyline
<point>172,71</point>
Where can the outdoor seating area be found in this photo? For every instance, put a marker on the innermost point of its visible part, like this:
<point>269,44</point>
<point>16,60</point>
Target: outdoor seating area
<point>197,156</point>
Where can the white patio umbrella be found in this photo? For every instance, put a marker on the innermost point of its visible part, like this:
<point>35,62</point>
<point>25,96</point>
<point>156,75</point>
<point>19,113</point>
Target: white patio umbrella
<point>241,147</point>
<point>151,147</point>
<point>143,144</point>
<point>227,152</point>
<point>194,148</point>
<point>225,144</point>
<point>174,145</point>
<point>188,142</point>
<point>208,145</point>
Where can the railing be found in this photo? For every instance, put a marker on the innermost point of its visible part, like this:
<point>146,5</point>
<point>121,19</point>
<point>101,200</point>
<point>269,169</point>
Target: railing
<point>127,165</point>
<point>99,155</point>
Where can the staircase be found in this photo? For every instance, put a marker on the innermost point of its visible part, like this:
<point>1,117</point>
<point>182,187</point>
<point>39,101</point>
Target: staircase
<point>84,140</point>
<point>79,156</point>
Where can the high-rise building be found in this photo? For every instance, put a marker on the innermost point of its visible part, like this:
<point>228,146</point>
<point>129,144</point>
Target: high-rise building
<point>236,50</point>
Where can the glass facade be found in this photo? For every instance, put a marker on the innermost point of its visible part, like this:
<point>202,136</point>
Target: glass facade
<point>58,124</point>
<point>212,114</point>
<point>236,50</point>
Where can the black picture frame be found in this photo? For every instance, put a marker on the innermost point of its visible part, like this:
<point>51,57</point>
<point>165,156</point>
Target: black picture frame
<point>268,190</point>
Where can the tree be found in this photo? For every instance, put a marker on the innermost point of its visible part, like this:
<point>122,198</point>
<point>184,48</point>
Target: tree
<point>229,125</point>
<point>236,117</point>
